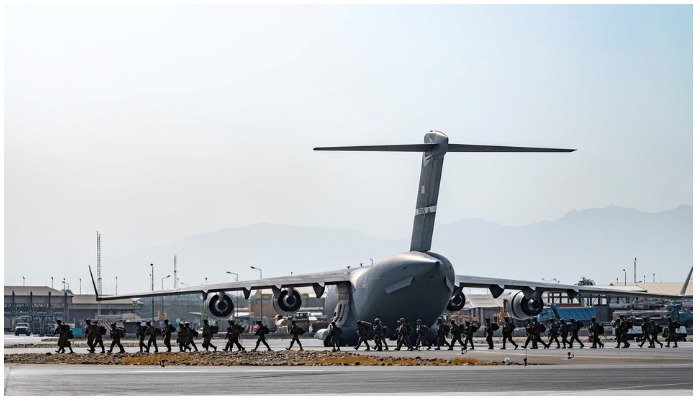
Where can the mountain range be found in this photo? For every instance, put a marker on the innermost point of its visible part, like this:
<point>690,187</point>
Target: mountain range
<point>596,243</point>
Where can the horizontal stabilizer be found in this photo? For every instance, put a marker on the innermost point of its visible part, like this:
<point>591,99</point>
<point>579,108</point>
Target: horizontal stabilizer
<point>475,148</point>
<point>420,148</point>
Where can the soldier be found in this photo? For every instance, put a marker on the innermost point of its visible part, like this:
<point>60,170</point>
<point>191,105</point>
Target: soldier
<point>553,333</point>
<point>64,335</point>
<point>564,330</point>
<point>575,327</point>
<point>141,333</point>
<point>489,327</point>
<point>621,328</point>
<point>673,326</point>
<point>116,333</point>
<point>232,333</point>
<point>182,338</point>
<point>457,331</point>
<point>260,331</point>
<point>98,331</point>
<point>362,334</point>
<point>422,331</point>
<point>152,333</point>
<point>470,328</point>
<point>208,334</point>
<point>90,334</point>
<point>529,333</point>
<point>405,335</point>
<point>596,329</point>
<point>296,330</point>
<point>168,329</point>
<point>399,333</point>
<point>655,329</point>
<point>385,334</point>
<point>646,333</point>
<point>378,334</point>
<point>507,331</point>
<point>191,334</point>
<point>334,336</point>
<point>442,331</point>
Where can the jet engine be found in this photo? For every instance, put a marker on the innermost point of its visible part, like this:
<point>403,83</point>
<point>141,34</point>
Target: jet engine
<point>457,301</point>
<point>287,301</point>
<point>522,307</point>
<point>220,305</point>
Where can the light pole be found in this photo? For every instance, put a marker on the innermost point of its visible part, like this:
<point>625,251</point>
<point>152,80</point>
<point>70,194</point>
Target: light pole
<point>80,285</point>
<point>261,300</point>
<point>617,281</point>
<point>625,271</point>
<point>23,282</point>
<point>52,282</point>
<point>653,277</point>
<point>162,300</point>
<point>116,284</point>
<point>153,300</point>
<point>233,273</point>
<point>64,285</point>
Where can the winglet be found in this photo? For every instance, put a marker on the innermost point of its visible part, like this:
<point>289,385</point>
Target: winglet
<point>685,284</point>
<point>94,285</point>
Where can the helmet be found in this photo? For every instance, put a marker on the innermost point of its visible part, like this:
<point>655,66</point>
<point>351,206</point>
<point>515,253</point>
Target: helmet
<point>402,320</point>
<point>206,321</point>
<point>593,319</point>
<point>571,320</point>
<point>187,324</point>
<point>376,320</point>
<point>58,321</point>
<point>148,323</point>
<point>166,320</point>
<point>419,321</point>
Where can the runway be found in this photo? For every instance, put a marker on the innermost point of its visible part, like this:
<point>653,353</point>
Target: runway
<point>139,380</point>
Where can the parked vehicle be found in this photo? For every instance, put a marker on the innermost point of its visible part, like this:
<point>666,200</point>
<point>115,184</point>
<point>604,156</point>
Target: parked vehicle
<point>22,328</point>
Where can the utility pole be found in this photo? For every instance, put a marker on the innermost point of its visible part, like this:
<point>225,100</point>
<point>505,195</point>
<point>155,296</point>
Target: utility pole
<point>653,277</point>
<point>153,300</point>
<point>80,287</point>
<point>260,293</point>
<point>635,270</point>
<point>233,273</point>
<point>23,281</point>
<point>99,272</point>
<point>116,283</point>
<point>162,300</point>
<point>175,272</point>
<point>52,282</point>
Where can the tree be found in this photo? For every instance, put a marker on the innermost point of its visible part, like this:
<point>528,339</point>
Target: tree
<point>585,282</point>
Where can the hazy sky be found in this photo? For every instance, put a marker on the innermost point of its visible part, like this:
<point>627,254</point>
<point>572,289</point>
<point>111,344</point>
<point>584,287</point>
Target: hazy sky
<point>152,123</point>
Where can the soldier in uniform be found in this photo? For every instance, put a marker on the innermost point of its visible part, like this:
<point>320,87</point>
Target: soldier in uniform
<point>646,333</point>
<point>575,327</point>
<point>64,335</point>
<point>334,336</point>
<point>168,330</point>
<point>207,334</point>
<point>596,329</point>
<point>116,333</point>
<point>655,330</point>
<point>378,334</point>
<point>673,327</point>
<point>260,331</point>
<point>232,333</point>
<point>621,328</point>
<point>152,333</point>
<point>191,334</point>
<point>507,331</point>
<point>442,331</point>
<point>182,338</point>
<point>385,334</point>
<point>422,332</point>
<point>141,333</point>
<point>489,327</point>
<point>564,330</point>
<point>98,331</point>
<point>529,333</point>
<point>296,330</point>
<point>553,333</point>
<point>406,334</point>
<point>90,334</point>
<point>470,328</point>
<point>362,334</point>
<point>457,331</point>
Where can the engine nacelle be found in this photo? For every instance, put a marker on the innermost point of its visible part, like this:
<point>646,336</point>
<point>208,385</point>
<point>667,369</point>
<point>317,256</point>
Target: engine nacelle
<point>521,307</point>
<point>220,305</point>
<point>288,301</point>
<point>457,302</point>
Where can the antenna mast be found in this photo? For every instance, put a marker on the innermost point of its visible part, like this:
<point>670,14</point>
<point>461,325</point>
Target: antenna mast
<point>99,272</point>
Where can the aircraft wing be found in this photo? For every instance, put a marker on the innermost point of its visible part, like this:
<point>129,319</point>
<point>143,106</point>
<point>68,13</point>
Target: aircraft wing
<point>317,281</point>
<point>498,286</point>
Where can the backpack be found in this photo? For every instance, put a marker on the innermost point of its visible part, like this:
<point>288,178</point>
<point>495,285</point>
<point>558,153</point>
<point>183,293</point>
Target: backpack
<point>103,330</point>
<point>265,330</point>
<point>70,334</point>
<point>600,329</point>
<point>494,326</point>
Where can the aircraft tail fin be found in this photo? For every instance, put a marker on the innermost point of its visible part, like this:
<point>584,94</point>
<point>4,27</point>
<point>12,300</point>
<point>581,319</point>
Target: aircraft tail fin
<point>685,284</point>
<point>434,147</point>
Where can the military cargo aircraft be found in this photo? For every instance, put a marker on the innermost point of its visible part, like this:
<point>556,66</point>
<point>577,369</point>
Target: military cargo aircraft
<point>417,284</point>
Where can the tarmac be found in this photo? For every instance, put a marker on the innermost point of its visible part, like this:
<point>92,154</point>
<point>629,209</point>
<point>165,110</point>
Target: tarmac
<point>606,371</point>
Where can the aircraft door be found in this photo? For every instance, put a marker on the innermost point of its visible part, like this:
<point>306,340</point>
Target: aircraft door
<point>342,308</point>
